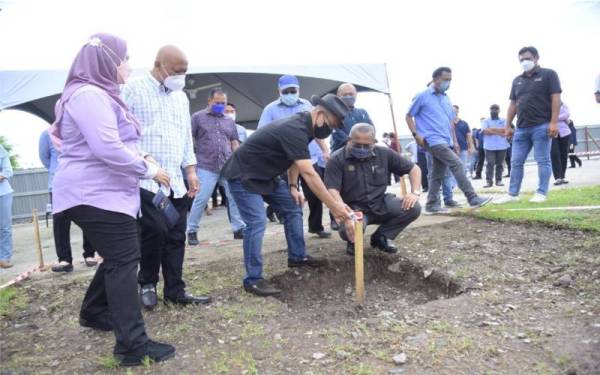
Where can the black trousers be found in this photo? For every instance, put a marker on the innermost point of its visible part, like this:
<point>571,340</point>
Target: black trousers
<point>422,163</point>
<point>315,206</point>
<point>480,162</point>
<point>113,292</point>
<point>573,158</point>
<point>495,162</point>
<point>161,246</point>
<point>61,227</point>
<point>507,158</point>
<point>393,222</point>
<point>559,155</point>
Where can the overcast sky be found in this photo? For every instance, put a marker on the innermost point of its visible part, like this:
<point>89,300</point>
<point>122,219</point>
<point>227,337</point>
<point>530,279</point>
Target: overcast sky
<point>479,40</point>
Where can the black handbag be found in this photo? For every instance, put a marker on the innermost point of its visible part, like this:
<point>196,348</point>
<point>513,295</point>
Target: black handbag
<point>165,206</point>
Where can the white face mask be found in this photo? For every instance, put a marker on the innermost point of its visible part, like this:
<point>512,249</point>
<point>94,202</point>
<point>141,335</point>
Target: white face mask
<point>527,65</point>
<point>175,83</point>
<point>231,116</point>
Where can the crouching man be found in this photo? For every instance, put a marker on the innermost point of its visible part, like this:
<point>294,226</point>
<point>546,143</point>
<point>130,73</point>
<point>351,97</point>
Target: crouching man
<point>358,176</point>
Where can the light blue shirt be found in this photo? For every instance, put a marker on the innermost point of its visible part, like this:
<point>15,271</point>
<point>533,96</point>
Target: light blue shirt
<point>6,171</point>
<point>242,134</point>
<point>277,110</point>
<point>433,114</point>
<point>316,154</point>
<point>494,142</point>
<point>48,156</point>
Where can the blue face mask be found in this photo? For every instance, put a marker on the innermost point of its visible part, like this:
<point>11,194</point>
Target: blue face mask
<point>290,99</point>
<point>217,108</point>
<point>444,86</point>
<point>361,152</point>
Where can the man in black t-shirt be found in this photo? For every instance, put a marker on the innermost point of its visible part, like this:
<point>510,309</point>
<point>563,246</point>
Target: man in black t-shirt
<point>535,100</point>
<point>358,175</point>
<point>253,176</point>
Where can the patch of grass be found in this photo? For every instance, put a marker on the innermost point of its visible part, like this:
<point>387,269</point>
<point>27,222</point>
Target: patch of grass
<point>588,220</point>
<point>12,300</point>
<point>362,369</point>
<point>109,362</point>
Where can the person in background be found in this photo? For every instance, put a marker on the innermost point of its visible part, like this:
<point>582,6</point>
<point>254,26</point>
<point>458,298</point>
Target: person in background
<point>386,139</point>
<point>96,185</point>
<point>535,100</point>
<point>6,196</point>
<point>288,104</point>
<point>315,206</point>
<point>356,176</point>
<point>559,152</point>
<point>156,99</point>
<point>572,144</point>
<point>395,146</point>
<point>495,145</point>
<point>597,92</point>
<point>480,152</point>
<point>507,159</point>
<point>215,138</point>
<point>348,93</point>
<point>475,155</point>
<point>253,173</point>
<point>230,112</point>
<point>422,163</point>
<point>429,119</point>
<point>60,226</point>
<point>464,142</point>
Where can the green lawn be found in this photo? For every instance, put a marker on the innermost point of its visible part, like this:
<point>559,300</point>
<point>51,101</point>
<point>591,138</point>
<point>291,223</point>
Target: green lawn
<point>580,219</point>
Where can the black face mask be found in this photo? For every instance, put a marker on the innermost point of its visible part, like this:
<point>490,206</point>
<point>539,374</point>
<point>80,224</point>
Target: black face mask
<point>322,132</point>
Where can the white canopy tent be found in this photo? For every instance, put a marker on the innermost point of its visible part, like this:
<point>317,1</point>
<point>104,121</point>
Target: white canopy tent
<point>250,88</point>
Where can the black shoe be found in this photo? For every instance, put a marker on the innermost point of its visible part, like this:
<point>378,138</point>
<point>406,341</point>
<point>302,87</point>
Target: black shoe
<point>193,239</point>
<point>488,185</point>
<point>188,299</point>
<point>238,234</point>
<point>425,190</point>
<point>148,296</point>
<point>102,324</point>
<point>334,225</point>
<point>261,289</point>
<point>558,182</point>
<point>66,268</point>
<point>279,218</point>
<point>271,215</point>
<point>499,183</point>
<point>156,351</point>
<point>508,175</point>
<point>452,204</point>
<point>321,233</point>
<point>308,261</point>
<point>384,244</point>
<point>91,262</point>
<point>350,248</point>
<point>477,178</point>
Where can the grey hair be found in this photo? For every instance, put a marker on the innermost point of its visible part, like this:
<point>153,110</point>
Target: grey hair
<point>363,128</point>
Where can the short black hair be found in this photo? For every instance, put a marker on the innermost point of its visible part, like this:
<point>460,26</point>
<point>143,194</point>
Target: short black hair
<point>231,104</point>
<point>216,91</point>
<point>439,71</point>
<point>455,106</point>
<point>495,106</point>
<point>531,50</point>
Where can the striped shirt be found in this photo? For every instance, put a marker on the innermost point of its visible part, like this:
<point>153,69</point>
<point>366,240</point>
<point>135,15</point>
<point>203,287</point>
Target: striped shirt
<point>166,133</point>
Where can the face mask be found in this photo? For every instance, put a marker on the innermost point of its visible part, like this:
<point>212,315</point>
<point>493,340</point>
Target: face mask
<point>175,83</point>
<point>527,65</point>
<point>494,115</point>
<point>231,116</point>
<point>444,86</point>
<point>360,152</point>
<point>290,99</point>
<point>217,108</point>
<point>123,72</point>
<point>349,100</point>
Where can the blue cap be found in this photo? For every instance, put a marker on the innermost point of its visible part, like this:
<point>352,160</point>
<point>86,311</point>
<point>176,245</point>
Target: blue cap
<point>288,81</point>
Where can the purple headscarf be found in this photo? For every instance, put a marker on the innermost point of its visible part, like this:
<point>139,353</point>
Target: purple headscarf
<point>95,64</point>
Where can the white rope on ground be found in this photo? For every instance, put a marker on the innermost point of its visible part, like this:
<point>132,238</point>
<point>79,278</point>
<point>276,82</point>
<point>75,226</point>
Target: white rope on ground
<point>569,208</point>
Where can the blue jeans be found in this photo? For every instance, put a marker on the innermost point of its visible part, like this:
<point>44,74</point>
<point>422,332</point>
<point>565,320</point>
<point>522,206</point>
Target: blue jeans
<point>6,245</point>
<point>523,140</point>
<point>448,182</point>
<point>464,157</point>
<point>208,181</point>
<point>251,206</point>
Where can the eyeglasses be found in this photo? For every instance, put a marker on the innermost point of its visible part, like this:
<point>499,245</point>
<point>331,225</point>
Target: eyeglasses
<point>289,91</point>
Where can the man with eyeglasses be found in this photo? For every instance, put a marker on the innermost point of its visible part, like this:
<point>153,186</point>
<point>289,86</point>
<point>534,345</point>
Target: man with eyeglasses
<point>358,174</point>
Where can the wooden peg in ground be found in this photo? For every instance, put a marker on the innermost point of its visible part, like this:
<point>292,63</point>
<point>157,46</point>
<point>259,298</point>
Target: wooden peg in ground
<point>359,269</point>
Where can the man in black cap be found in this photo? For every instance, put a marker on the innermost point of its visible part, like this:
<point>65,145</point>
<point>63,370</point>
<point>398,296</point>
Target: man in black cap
<point>252,173</point>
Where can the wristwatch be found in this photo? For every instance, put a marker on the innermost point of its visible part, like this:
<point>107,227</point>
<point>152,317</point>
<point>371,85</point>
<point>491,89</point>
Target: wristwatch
<point>416,192</point>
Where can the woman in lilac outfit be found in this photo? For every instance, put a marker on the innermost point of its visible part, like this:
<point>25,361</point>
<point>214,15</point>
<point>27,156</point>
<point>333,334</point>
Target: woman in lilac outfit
<point>96,186</point>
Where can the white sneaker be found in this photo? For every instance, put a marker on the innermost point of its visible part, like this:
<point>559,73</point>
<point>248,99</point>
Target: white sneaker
<point>538,198</point>
<point>505,199</point>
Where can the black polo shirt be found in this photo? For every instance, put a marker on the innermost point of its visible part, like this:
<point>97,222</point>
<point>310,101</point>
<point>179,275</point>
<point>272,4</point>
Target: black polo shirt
<point>269,152</point>
<point>533,96</point>
<point>363,183</point>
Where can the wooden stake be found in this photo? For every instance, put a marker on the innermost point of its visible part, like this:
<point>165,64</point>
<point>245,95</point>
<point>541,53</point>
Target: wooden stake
<point>359,262</point>
<point>38,240</point>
